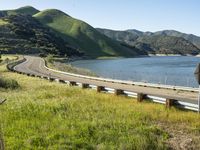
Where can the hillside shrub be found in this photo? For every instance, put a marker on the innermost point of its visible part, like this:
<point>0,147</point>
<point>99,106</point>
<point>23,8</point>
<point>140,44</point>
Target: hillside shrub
<point>8,83</point>
<point>50,58</point>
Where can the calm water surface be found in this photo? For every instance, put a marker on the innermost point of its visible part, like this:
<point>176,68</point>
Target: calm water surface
<point>165,70</point>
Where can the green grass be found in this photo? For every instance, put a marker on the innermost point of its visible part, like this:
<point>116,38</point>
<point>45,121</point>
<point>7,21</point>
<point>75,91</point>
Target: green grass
<point>82,35</point>
<point>49,115</point>
<point>3,22</point>
<point>10,57</point>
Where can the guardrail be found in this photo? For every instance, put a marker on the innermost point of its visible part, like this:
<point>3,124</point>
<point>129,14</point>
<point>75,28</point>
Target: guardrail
<point>139,96</point>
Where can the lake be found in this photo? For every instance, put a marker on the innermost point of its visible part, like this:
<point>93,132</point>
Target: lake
<point>171,70</point>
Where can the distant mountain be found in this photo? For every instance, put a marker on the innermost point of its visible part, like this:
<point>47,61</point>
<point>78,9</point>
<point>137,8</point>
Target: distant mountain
<point>162,44</point>
<point>190,37</point>
<point>165,42</point>
<point>83,36</point>
<point>124,36</point>
<point>25,35</point>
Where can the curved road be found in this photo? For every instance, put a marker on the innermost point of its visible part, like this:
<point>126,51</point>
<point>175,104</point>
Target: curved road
<point>36,66</point>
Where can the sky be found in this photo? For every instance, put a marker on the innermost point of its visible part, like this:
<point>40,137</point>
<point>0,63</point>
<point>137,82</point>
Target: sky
<point>144,15</point>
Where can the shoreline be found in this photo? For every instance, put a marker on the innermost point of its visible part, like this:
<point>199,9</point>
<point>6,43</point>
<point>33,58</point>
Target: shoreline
<point>73,59</point>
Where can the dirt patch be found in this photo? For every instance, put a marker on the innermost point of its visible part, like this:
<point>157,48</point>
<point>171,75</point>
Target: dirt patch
<point>180,138</point>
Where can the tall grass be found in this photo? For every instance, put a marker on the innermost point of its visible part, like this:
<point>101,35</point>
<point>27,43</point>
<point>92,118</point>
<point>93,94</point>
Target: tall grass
<point>8,83</point>
<point>48,115</point>
<point>1,141</point>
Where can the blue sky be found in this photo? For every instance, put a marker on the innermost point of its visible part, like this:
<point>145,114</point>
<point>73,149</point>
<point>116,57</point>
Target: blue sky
<point>145,15</point>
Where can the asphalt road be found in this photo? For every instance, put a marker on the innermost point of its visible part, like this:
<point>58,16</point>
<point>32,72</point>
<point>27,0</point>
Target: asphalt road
<point>36,65</point>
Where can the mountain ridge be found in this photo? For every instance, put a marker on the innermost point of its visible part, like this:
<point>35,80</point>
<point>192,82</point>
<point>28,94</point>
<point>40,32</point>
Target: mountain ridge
<point>189,41</point>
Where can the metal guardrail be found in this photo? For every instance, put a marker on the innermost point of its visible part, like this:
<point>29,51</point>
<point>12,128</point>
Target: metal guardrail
<point>139,96</point>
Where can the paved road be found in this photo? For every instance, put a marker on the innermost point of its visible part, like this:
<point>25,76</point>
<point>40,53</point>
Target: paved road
<point>36,65</point>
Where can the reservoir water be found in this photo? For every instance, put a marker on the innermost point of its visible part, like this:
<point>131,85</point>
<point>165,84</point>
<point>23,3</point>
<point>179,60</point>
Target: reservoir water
<point>171,70</point>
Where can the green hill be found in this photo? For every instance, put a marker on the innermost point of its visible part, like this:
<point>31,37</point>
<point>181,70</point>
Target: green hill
<point>28,10</point>
<point>82,35</point>
<point>24,34</point>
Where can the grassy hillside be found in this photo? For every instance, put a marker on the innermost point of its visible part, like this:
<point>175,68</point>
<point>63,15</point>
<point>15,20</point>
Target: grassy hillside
<point>82,35</point>
<point>24,34</point>
<point>35,116</point>
<point>28,10</point>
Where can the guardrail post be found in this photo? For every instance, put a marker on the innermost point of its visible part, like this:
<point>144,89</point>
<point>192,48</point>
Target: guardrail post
<point>62,81</point>
<point>47,78</point>
<point>140,97</point>
<point>169,102</point>
<point>118,92</point>
<point>72,83</point>
<point>100,88</point>
<point>84,85</point>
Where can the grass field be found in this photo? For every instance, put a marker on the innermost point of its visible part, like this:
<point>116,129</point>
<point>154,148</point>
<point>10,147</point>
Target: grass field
<point>48,115</point>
